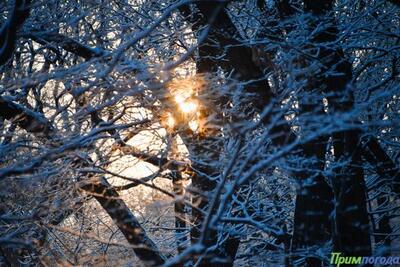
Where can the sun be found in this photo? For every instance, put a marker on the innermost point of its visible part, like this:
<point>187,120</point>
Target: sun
<point>188,107</point>
<point>184,96</point>
<point>184,99</point>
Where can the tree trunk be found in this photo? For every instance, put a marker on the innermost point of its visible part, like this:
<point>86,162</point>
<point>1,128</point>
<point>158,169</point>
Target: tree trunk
<point>8,33</point>
<point>237,57</point>
<point>351,235</point>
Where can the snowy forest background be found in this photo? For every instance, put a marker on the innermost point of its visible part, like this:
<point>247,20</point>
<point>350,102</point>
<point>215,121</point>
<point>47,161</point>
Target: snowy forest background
<point>198,133</point>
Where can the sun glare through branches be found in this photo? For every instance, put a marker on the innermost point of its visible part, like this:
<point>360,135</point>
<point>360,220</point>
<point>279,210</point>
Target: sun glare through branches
<point>199,133</point>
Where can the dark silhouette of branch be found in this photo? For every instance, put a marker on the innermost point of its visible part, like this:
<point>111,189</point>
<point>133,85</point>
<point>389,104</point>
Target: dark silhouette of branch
<point>8,33</point>
<point>25,118</point>
<point>126,221</point>
<point>67,43</point>
<point>395,2</point>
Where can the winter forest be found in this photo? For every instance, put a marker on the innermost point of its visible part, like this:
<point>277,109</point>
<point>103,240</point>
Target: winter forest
<point>199,133</point>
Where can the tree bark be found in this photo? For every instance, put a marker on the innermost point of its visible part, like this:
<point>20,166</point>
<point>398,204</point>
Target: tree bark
<point>351,235</point>
<point>8,33</point>
<point>222,49</point>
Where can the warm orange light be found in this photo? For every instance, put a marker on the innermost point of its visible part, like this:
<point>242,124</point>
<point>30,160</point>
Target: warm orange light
<point>170,121</point>
<point>179,99</point>
<point>188,107</point>
<point>184,93</point>
<point>185,104</point>
<point>194,125</point>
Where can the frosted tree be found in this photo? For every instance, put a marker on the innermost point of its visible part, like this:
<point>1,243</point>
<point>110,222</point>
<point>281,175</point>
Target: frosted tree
<point>198,133</point>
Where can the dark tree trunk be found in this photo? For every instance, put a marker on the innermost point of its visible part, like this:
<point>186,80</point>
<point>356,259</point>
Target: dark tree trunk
<point>314,204</point>
<point>8,33</point>
<point>179,209</point>
<point>222,49</point>
<point>351,235</point>
<point>390,177</point>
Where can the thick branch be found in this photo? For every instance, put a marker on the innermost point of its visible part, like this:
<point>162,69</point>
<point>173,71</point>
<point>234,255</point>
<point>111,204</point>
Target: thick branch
<point>66,43</point>
<point>384,165</point>
<point>25,118</point>
<point>126,221</point>
<point>395,2</point>
<point>9,30</point>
